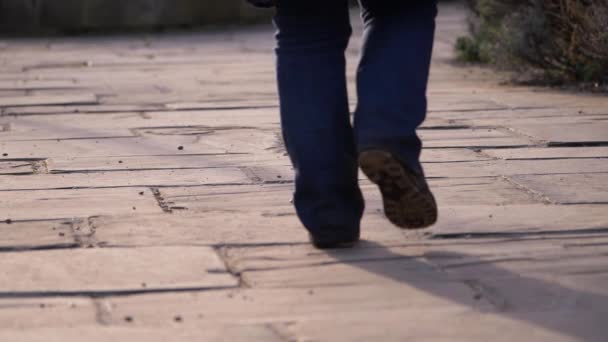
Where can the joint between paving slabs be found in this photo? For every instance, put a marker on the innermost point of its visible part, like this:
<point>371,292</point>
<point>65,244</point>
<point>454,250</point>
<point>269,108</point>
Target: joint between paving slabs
<point>490,294</point>
<point>280,330</point>
<point>536,142</point>
<point>40,167</point>
<point>160,200</point>
<point>279,145</point>
<point>103,311</point>
<point>222,253</point>
<point>251,175</point>
<point>83,231</point>
<point>481,291</point>
<point>578,144</point>
<point>533,194</point>
<point>483,155</point>
<point>135,132</point>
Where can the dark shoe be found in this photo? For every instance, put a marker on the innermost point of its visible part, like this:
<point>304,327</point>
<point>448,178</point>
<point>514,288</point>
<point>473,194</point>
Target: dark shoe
<point>408,201</point>
<point>329,241</point>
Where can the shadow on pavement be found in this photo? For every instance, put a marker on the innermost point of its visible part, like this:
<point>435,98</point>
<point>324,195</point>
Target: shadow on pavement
<point>548,305</point>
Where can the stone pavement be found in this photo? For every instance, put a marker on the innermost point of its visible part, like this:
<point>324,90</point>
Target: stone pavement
<point>144,195</point>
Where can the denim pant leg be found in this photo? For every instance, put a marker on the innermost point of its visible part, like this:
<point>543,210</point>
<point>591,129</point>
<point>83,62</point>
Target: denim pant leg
<point>393,74</point>
<point>311,40</point>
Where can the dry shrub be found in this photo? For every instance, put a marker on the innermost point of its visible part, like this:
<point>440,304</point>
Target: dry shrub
<point>567,39</point>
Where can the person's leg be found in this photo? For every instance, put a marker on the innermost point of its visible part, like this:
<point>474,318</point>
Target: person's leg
<point>393,74</point>
<point>311,38</point>
<point>391,85</point>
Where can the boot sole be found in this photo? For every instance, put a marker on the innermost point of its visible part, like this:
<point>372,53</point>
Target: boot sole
<point>334,242</point>
<point>407,204</point>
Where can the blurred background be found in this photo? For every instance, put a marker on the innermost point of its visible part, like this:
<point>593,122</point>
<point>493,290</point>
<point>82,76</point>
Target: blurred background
<point>31,16</point>
<point>550,42</point>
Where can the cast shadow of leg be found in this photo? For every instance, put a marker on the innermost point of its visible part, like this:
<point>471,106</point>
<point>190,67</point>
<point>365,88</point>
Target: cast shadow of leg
<point>574,312</point>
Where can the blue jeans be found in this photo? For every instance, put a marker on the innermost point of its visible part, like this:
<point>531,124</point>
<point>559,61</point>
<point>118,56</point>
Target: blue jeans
<point>392,77</point>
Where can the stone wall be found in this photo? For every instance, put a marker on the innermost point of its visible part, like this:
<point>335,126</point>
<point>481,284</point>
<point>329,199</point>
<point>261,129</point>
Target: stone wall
<point>35,15</point>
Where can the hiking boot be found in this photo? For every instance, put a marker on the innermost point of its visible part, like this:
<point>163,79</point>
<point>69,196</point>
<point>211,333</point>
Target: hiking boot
<point>334,240</point>
<point>408,201</point>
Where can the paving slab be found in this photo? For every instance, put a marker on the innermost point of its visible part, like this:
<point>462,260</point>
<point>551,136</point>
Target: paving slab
<point>45,234</point>
<point>455,326</point>
<point>207,228</point>
<point>494,168</point>
<point>227,333</point>
<point>432,155</point>
<point>561,134</point>
<point>164,162</point>
<point>132,179</point>
<point>17,166</point>
<point>511,120</point>
<point>100,108</point>
<point>39,84</point>
<point>490,118</point>
<point>537,270</point>
<point>544,98</point>
<point>402,269</point>
<point>488,256</point>
<point>277,306</point>
<point>458,104</point>
<point>26,129</point>
<point>268,199</point>
<point>549,153</point>
<point>130,146</point>
<point>473,191</point>
<point>218,228</point>
<point>28,314</point>
<point>519,219</point>
<point>146,121</point>
<point>82,271</point>
<point>68,203</point>
<point>14,101</point>
<point>568,189</point>
<point>471,138</point>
